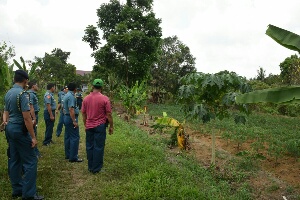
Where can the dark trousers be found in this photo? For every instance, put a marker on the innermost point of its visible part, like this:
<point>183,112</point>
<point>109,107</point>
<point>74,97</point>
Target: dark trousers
<point>60,124</point>
<point>37,152</point>
<point>71,138</point>
<point>95,143</point>
<point>23,161</point>
<point>49,127</point>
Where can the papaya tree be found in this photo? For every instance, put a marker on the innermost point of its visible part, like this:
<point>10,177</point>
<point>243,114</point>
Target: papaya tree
<point>205,97</point>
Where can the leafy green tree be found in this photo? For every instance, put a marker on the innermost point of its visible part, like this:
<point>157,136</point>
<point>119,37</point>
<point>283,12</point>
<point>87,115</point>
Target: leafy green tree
<point>6,52</point>
<point>6,71</point>
<point>290,70</point>
<point>92,37</point>
<point>174,62</point>
<point>132,37</point>
<point>55,67</point>
<point>209,96</point>
<point>261,74</point>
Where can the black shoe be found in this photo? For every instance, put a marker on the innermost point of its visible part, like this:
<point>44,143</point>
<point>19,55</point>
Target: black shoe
<point>46,144</point>
<point>36,197</point>
<point>78,160</point>
<point>15,196</point>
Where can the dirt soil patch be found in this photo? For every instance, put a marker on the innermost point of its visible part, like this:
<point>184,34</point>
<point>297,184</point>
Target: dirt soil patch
<point>272,180</point>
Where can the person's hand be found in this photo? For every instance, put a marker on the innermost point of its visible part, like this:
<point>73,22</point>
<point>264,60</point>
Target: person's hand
<point>52,118</point>
<point>111,130</point>
<point>33,142</point>
<point>75,124</point>
<point>34,122</point>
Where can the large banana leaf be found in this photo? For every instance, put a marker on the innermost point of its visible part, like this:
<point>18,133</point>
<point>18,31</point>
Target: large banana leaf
<point>282,95</point>
<point>283,37</point>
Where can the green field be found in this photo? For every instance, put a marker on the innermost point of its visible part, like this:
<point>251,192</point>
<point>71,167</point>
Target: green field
<point>140,166</point>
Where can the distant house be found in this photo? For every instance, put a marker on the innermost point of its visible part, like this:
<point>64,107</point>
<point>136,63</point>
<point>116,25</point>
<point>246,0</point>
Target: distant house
<point>82,72</point>
<point>84,87</point>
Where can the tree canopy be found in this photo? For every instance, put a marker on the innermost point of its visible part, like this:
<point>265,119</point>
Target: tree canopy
<point>132,38</point>
<point>175,61</point>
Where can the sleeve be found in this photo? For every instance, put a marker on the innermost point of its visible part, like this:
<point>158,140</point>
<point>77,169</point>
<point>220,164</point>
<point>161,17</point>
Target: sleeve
<point>47,98</point>
<point>107,106</point>
<point>24,101</point>
<point>71,102</point>
<point>31,98</point>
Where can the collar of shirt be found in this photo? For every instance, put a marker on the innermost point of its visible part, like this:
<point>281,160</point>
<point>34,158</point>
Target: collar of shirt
<point>49,92</point>
<point>71,93</point>
<point>17,86</point>
<point>32,91</point>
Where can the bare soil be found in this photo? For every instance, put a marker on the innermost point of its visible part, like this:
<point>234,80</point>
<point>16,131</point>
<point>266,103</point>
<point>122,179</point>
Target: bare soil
<point>272,180</point>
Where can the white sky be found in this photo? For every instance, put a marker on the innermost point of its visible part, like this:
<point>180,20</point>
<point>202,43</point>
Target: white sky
<point>222,34</point>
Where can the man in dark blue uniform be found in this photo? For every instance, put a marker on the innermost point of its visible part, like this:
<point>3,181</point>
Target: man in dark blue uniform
<point>72,137</point>
<point>33,88</point>
<point>79,99</point>
<point>49,113</point>
<point>60,124</point>
<point>22,140</point>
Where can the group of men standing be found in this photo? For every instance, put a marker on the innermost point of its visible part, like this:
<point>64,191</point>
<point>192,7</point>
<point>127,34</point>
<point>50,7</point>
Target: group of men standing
<point>21,117</point>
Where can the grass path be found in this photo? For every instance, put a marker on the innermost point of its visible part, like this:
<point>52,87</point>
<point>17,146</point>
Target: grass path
<point>136,166</point>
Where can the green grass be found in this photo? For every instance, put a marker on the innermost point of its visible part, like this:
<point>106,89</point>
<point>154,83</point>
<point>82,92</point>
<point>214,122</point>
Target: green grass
<point>137,166</point>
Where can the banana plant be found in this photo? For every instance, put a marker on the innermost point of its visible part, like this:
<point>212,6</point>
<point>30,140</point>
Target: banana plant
<point>165,122</point>
<point>31,71</point>
<point>285,95</point>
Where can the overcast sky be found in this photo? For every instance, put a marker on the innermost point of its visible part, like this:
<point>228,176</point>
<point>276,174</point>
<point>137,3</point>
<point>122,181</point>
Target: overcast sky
<point>221,34</point>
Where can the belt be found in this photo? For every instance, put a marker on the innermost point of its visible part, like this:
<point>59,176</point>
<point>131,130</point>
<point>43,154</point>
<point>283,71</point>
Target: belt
<point>69,114</point>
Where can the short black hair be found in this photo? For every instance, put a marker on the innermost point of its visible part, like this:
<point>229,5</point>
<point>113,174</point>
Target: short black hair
<point>32,83</point>
<point>18,78</point>
<point>97,87</point>
<point>72,86</point>
<point>50,85</point>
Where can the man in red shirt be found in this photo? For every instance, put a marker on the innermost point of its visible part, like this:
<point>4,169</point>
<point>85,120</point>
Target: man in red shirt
<point>96,110</point>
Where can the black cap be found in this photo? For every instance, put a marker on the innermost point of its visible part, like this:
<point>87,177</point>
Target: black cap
<point>22,73</point>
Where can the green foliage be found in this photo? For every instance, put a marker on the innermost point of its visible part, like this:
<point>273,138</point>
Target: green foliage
<point>132,37</point>
<point>283,95</point>
<point>293,147</point>
<point>133,98</point>
<point>283,37</point>
<point>92,37</point>
<point>6,52</point>
<point>31,67</point>
<point>54,67</point>
<point>6,81</point>
<point>175,61</point>
<point>208,96</point>
<point>290,70</point>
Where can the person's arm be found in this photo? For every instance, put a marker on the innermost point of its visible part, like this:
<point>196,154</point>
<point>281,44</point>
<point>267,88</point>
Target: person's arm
<point>111,123</point>
<point>84,118</point>
<point>5,117</point>
<point>28,123</point>
<point>50,112</point>
<point>72,115</point>
<point>32,113</point>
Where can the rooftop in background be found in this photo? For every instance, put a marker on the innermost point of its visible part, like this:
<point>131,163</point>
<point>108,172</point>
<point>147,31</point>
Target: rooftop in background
<point>82,72</point>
